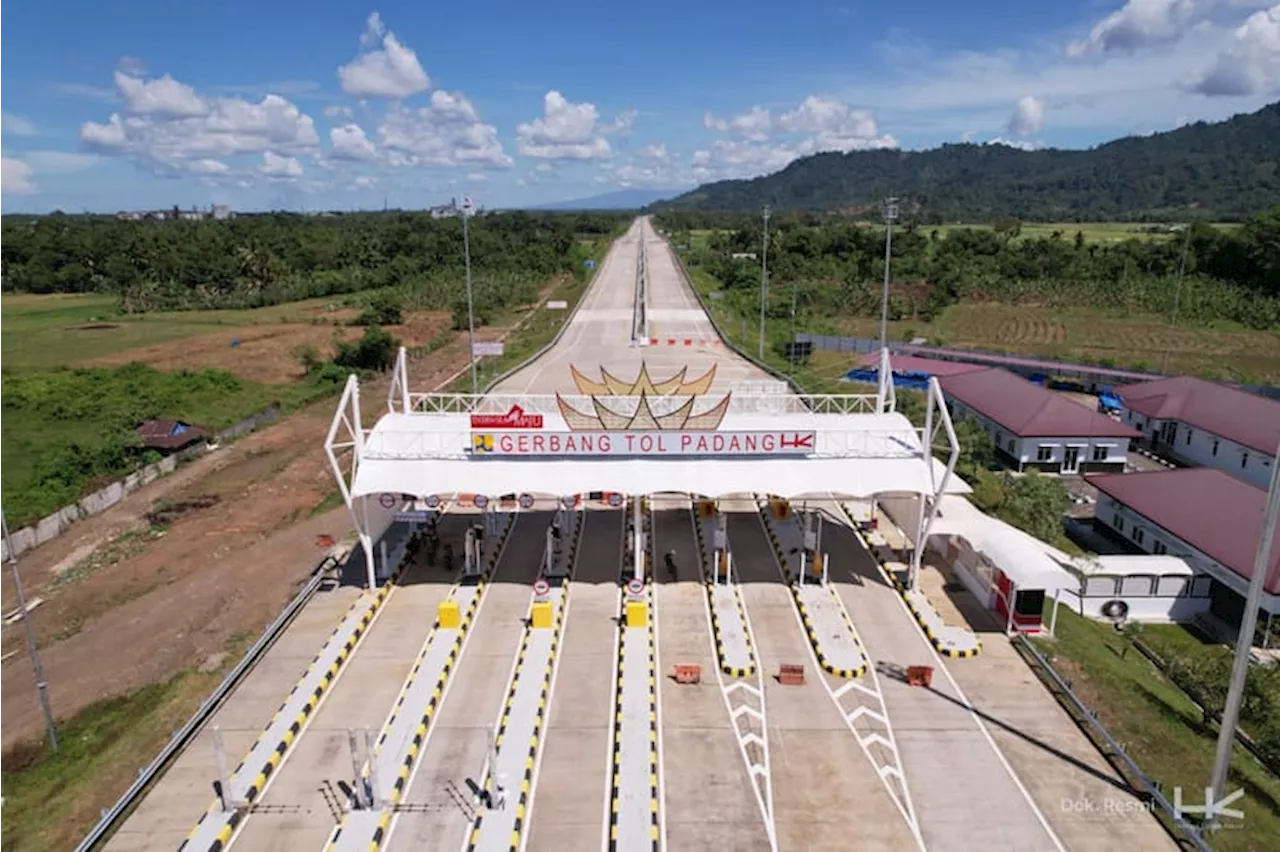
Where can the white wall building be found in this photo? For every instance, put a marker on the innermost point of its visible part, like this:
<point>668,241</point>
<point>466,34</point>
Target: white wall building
<point>1036,428</point>
<point>1207,425</point>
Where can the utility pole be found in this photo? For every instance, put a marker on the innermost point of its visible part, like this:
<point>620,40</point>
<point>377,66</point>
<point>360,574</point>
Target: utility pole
<point>890,214</point>
<point>471,310</point>
<point>42,688</point>
<point>764,277</point>
<point>1177,295</point>
<point>1244,644</point>
<point>792,350</point>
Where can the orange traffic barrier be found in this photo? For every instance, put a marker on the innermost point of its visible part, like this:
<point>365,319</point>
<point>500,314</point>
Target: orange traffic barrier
<point>791,675</point>
<point>920,676</point>
<point>688,673</point>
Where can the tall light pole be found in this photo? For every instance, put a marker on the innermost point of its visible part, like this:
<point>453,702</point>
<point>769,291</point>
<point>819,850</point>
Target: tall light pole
<point>890,214</point>
<point>1177,295</point>
<point>42,688</point>
<point>792,347</point>
<point>1244,644</point>
<point>467,208</point>
<point>764,277</point>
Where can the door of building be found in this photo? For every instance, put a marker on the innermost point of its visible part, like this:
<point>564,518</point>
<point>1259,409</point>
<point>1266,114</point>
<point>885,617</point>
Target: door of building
<point>1071,460</point>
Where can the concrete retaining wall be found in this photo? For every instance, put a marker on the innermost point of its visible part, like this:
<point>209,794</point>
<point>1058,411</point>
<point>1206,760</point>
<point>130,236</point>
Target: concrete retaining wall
<point>52,526</point>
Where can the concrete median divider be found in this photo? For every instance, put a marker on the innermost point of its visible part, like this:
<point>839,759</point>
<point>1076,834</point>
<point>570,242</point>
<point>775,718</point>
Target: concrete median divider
<point>948,640</point>
<point>717,634</point>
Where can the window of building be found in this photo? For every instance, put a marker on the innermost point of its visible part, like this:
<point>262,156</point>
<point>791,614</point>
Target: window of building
<point>999,437</point>
<point>1215,446</point>
<point>1099,454</point>
<point>1188,437</point>
<point>1010,445</point>
<point>1119,524</point>
<point>1158,548</point>
<point>1244,459</point>
<point>1139,535</point>
<point>1044,453</point>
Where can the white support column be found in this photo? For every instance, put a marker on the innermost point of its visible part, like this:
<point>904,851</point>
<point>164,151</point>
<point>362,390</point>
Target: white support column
<point>550,554</point>
<point>637,530</point>
<point>936,418</point>
<point>1053,620</point>
<point>375,792</point>
<point>728,556</point>
<point>804,564</point>
<point>826,561</point>
<point>224,778</point>
<point>383,559</point>
<point>358,788</point>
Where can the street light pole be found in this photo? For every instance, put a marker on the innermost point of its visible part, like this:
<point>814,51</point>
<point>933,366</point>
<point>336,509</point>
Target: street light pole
<point>471,311</point>
<point>42,688</point>
<point>764,277</point>
<point>792,348</point>
<point>1244,644</point>
<point>1177,295</point>
<point>890,213</point>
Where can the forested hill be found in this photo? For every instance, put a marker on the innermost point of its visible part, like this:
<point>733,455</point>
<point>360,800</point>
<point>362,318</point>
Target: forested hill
<point>1218,172</point>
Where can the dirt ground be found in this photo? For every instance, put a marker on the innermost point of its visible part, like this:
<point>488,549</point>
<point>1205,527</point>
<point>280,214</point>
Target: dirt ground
<point>269,353</point>
<point>120,613</point>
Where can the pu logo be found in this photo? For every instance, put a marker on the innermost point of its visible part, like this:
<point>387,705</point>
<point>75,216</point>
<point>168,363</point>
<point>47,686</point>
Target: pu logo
<point>482,443</point>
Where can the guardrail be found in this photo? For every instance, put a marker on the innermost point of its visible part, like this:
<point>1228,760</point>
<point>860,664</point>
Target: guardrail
<point>1129,768</point>
<point>208,707</point>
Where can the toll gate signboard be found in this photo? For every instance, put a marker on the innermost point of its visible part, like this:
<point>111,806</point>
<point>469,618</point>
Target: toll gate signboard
<point>771,443</point>
<point>513,419</point>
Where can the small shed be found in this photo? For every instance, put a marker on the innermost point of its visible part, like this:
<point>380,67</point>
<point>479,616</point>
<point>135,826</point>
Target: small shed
<point>171,436</point>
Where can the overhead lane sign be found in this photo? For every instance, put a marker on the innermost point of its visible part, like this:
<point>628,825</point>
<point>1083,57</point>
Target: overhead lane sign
<point>772,443</point>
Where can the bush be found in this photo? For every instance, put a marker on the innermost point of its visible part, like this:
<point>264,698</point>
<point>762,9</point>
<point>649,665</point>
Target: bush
<point>375,350</point>
<point>383,309</point>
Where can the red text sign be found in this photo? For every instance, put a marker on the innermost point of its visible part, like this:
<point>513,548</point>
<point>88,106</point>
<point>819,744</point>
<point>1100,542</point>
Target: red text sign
<point>513,419</point>
<point>646,444</point>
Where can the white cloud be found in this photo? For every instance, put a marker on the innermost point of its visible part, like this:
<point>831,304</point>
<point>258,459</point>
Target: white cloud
<point>163,131</point>
<point>15,177</point>
<point>1250,65</point>
<point>753,125</point>
<point>654,152</point>
<point>208,166</point>
<point>818,123</point>
<point>58,162</point>
<point>477,177</point>
<point>449,132</point>
<point>1027,117</point>
<point>569,131</point>
<point>16,125</point>
<point>624,123</point>
<point>349,142</point>
<point>544,168</point>
<point>338,111</point>
<point>651,173</point>
<point>164,97</point>
<point>385,69</point>
<point>1020,144</point>
<point>278,166</point>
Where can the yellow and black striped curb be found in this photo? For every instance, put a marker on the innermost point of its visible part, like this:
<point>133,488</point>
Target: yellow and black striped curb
<point>437,694</point>
<point>531,760</point>
<point>235,817</point>
<point>615,784</point>
<point>717,635</point>
<point>817,646</point>
<point>938,645</point>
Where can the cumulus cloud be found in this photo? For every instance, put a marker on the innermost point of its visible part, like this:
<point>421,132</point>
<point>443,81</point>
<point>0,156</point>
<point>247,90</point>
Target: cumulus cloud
<point>1140,23</point>
<point>1027,117</point>
<point>279,166</point>
<point>168,127</point>
<point>208,166</point>
<point>349,142</point>
<point>338,111</point>
<point>16,125</point>
<point>569,131</point>
<point>385,68</point>
<point>653,152</point>
<point>15,177</point>
<point>625,123</point>
<point>1250,65</point>
<point>1020,144</point>
<point>58,162</point>
<point>449,132</point>
<point>818,123</point>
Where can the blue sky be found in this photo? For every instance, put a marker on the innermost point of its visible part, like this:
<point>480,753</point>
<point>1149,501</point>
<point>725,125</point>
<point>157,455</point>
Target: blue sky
<point>330,105</point>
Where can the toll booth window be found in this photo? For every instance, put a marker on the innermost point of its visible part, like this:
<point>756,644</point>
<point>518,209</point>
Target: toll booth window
<point>1029,602</point>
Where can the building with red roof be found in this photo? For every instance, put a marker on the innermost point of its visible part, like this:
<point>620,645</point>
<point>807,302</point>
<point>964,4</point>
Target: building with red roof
<point>1036,428</point>
<point>1207,425</point>
<point>1210,519</point>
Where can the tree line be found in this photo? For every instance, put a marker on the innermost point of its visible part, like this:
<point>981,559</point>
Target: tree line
<point>838,267</point>
<point>1211,172</point>
<point>257,260</point>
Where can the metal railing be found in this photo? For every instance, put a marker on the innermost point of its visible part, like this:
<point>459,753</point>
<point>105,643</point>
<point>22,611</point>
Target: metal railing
<point>773,403</point>
<point>1143,782</point>
<point>148,774</point>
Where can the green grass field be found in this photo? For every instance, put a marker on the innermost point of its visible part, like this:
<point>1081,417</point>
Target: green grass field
<point>1161,727</point>
<point>43,331</point>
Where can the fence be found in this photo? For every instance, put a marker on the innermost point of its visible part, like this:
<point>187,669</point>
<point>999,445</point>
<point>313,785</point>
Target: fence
<point>54,525</point>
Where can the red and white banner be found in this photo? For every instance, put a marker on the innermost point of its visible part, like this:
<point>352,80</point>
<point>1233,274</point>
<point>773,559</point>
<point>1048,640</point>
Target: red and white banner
<point>513,419</point>
<point>645,444</point>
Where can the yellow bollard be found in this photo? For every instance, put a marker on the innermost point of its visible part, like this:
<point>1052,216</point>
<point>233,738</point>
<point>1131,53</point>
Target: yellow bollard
<point>449,615</point>
<point>817,564</point>
<point>637,614</point>
<point>541,614</point>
